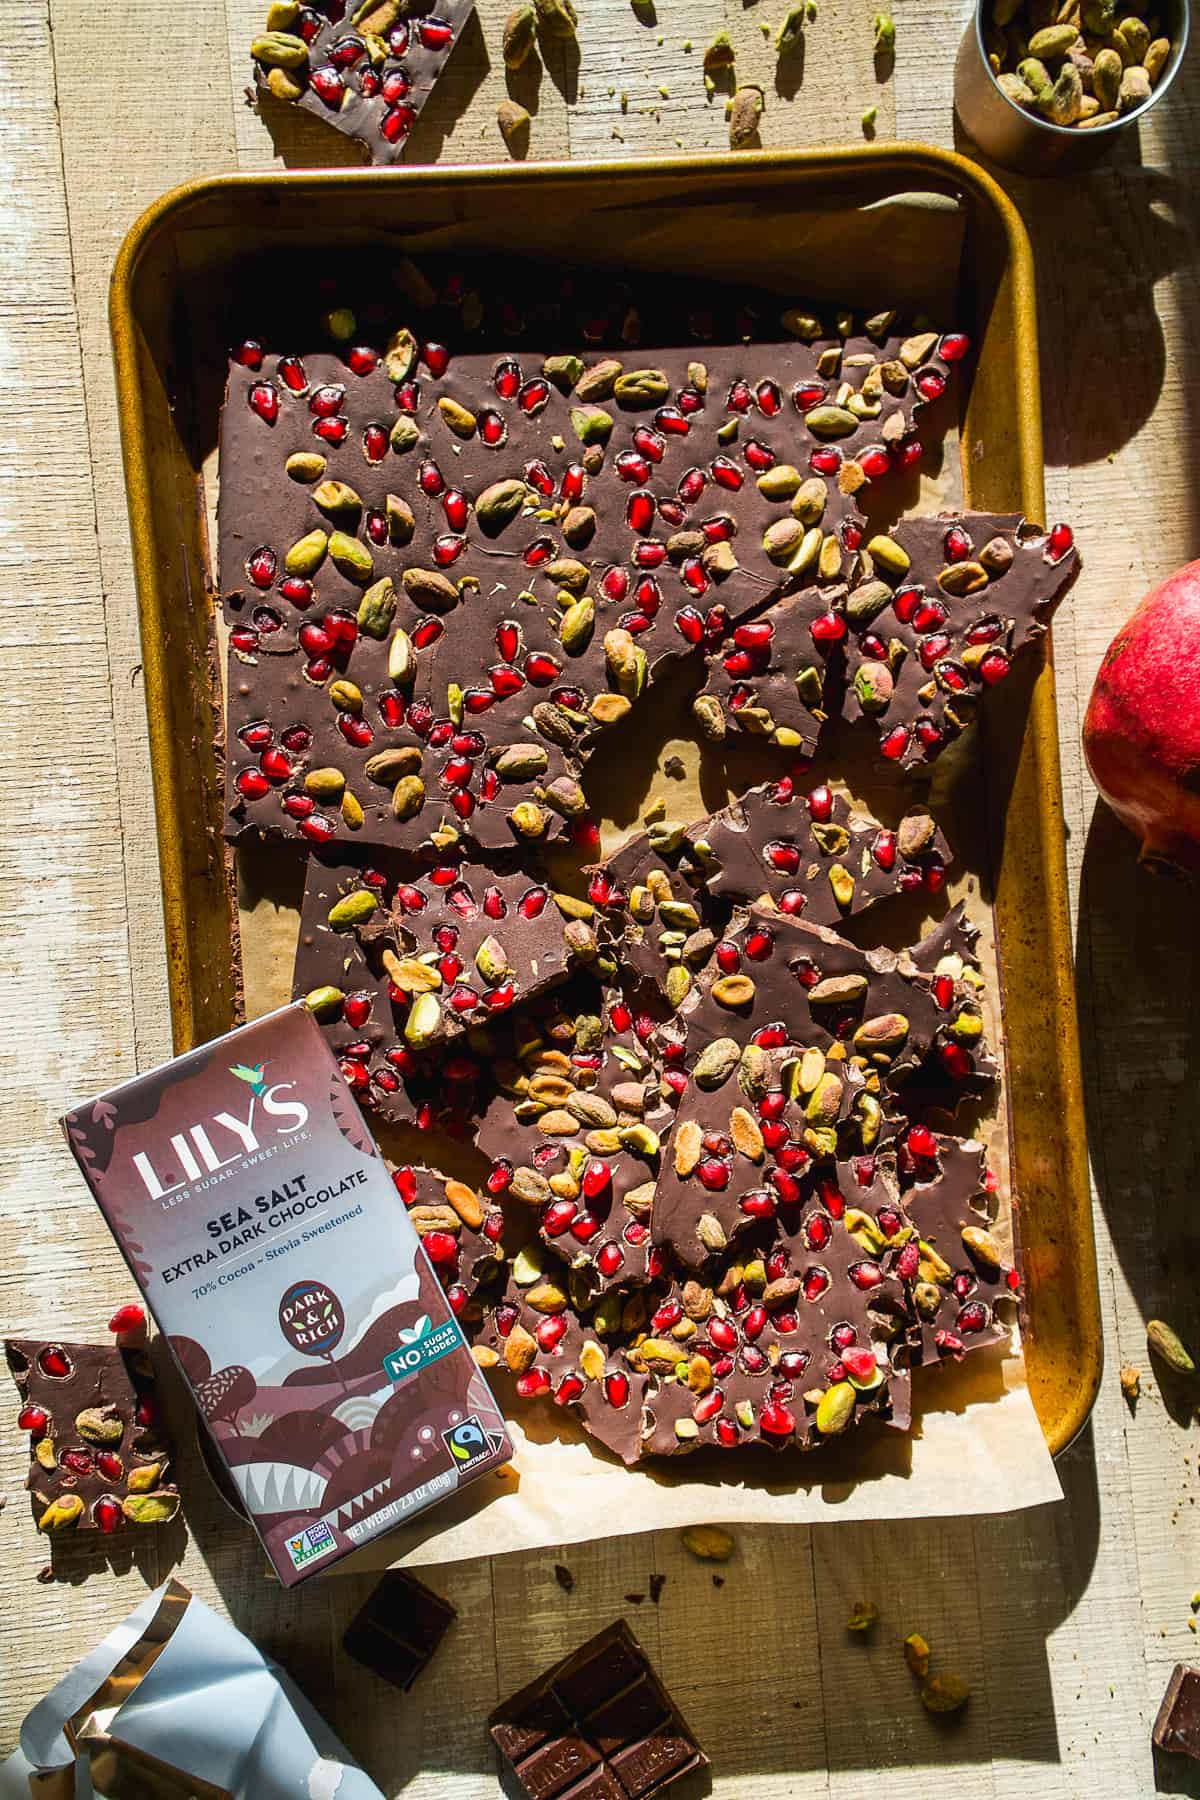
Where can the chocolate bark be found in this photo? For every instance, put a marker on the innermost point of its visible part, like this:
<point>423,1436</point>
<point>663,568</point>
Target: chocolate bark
<point>814,857</point>
<point>960,1269</point>
<point>98,1457</point>
<point>795,1343</point>
<point>447,574</point>
<point>462,1230</point>
<point>578,1126</point>
<point>599,1725</point>
<point>377,936</point>
<point>652,903</point>
<point>369,75</point>
<point>398,1628</point>
<point>1177,1724</point>
<point>928,622</point>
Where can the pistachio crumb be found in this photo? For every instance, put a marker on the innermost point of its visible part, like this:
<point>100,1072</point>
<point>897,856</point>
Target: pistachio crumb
<point>664,91</point>
<point>868,120</point>
<point>863,1615</point>
<point>1131,1382</point>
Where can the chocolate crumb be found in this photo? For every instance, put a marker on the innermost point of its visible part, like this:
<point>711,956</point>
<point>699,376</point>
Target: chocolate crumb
<point>657,1584</point>
<point>46,1573</point>
<point>718,1581</point>
<point>564,1577</point>
<point>635,1599</point>
<point>674,767</point>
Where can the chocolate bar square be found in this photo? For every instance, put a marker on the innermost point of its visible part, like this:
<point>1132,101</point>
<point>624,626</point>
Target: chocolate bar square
<point>397,1630</point>
<point>597,1726</point>
<point>1177,1727</point>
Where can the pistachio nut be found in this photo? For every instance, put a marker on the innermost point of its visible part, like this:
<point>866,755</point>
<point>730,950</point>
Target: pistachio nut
<point>707,1542</point>
<point>424,1021</point>
<point>578,526</point>
<point>377,608</point>
<point>498,505</point>
<point>678,984</point>
<point>459,418</point>
<point>688,1146</point>
<point>534,1190</point>
<point>711,1233</point>
<point>1167,1344</point>
<point>400,357</point>
<point>576,626</point>
<point>352,909</point>
<point>825,1102</point>
<point>716,1063</point>
<point>151,1509</point>
<point>279,50</point>
<point>546,1297</point>
<point>408,797</point>
<point>430,590</point>
<point>745,110</point>
<point>323,999</point>
<point>518,38</point>
<point>529,820</point>
<point>838,990</point>
<point>639,388</point>
<point>885,1032</point>
<point>100,1425</point>
<point>556,18</point>
<point>306,465</point>
<point>945,1694</point>
<point>350,557</point>
<point>66,1510</point>
<point>809,501</point>
<point>405,434</point>
<point>982,1247</point>
<point>835,1408</point>
<point>888,555</point>
<point>830,422</point>
<point>1134,91</point>
<point>307,553</point>
<point>335,498</point>
<point>732,991</point>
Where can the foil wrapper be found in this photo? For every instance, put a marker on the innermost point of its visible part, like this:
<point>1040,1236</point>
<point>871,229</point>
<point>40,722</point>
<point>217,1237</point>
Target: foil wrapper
<point>173,1691</point>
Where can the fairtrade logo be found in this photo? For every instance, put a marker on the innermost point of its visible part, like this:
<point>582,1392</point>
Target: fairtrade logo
<point>468,1442</point>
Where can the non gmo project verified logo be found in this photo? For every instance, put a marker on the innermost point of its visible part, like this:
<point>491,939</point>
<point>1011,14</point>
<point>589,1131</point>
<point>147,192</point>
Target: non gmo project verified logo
<point>308,1545</point>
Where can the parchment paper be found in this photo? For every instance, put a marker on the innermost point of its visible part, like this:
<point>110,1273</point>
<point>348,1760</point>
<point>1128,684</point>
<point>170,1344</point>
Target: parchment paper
<point>975,1445</point>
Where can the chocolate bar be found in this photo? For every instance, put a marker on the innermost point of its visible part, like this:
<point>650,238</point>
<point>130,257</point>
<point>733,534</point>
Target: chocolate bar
<point>599,1725</point>
<point>398,1628</point>
<point>266,1234</point>
<point>368,76</point>
<point>99,1460</point>
<point>1177,1725</point>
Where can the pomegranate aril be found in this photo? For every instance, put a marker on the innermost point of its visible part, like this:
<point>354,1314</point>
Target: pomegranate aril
<point>533,396</point>
<point>816,1282</point>
<point>776,1421</point>
<point>109,1465</point>
<point>249,354</point>
<point>436,358</point>
<point>506,378</point>
<point>874,463</point>
<point>328,84</point>
<point>726,474</point>
<point>691,485</point>
<point>33,1418</point>
<point>263,399</point>
<point>1061,540</point>
<point>611,1258</point>
<point>108,1515</point>
<point>532,1384</point>
<point>318,829</point>
<point>954,346</point>
<point>616,1388</point>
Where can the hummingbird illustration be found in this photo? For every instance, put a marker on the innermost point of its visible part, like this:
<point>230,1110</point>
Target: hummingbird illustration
<point>253,1076</point>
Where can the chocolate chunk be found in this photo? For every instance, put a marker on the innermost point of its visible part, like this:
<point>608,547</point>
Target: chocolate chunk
<point>98,1458</point>
<point>398,1628</point>
<point>368,77</point>
<point>1177,1727</point>
<point>961,1270</point>
<point>654,910</point>
<point>621,1738</point>
<point>461,1228</point>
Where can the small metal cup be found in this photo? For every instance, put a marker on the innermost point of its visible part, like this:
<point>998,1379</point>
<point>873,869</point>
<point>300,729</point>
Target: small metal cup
<point>1022,140</point>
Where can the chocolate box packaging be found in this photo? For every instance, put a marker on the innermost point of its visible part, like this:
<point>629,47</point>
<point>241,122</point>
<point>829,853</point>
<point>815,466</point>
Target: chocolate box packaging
<point>262,1225</point>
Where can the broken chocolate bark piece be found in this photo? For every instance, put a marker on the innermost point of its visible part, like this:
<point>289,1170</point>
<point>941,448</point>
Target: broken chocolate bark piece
<point>653,906</point>
<point>446,574</point>
<point>398,1628</point>
<point>774,982</point>
<point>756,1134</point>
<point>369,75</point>
<point>796,1341</point>
<point>404,956</point>
<point>955,1270</point>
<point>98,1458</point>
<point>576,1132</point>
<point>598,1724</point>
<point>1177,1725</point>
<point>930,621</point>
<point>814,857</point>
<point>462,1230</point>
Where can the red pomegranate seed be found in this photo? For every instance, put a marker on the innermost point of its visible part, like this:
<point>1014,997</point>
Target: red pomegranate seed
<point>611,1258</point>
<point>375,443</point>
<point>110,1465</point>
<point>649,554</point>
<point>691,485</point>
<point>361,359</point>
<point>972,1318</point>
<point>726,474</point>
<point>874,462</point>
<point>866,1275</point>
<point>954,346</point>
<point>759,457</point>
<point>769,398</point>
<point>776,1421</point>
<point>639,511</point>
<point>290,371</point>
<point>332,431</point>
<point>328,84</point>
<point>541,669</point>
<point>436,358</point>
<point>33,1418</point>
<point>574,482</point>
<point>909,453</point>
<point>145,1413</point>
<point>649,443</point>
<point>263,399</point>
<point>506,378</point>
<point>318,829</point>
<point>759,943</point>
<point>723,1334</point>
<point>249,354</point>
<point>532,1384</point>
<point>673,421</point>
<point>533,396</point>
<point>894,743</point>
<point>435,34</point>
<point>830,628</point>
<point>755,1322</point>
<point>920,1141</point>
<point>931,384</point>
<point>816,1281</point>
<point>108,1515</point>
<point>616,1388</point>
<point>1062,539</point>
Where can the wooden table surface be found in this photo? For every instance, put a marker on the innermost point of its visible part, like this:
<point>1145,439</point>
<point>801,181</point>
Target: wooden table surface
<point>1065,1620</point>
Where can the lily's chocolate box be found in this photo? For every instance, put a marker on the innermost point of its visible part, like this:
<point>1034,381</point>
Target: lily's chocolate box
<point>258,1218</point>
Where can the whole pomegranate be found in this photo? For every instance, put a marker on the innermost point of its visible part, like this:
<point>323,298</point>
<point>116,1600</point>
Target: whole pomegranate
<point>1141,736</point>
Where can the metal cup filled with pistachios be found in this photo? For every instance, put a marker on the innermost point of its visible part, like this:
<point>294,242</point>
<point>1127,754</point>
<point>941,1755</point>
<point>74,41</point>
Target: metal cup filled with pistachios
<point>1042,84</point>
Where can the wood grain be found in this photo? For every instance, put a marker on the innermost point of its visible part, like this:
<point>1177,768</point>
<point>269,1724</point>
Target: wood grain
<point>1065,1619</point>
